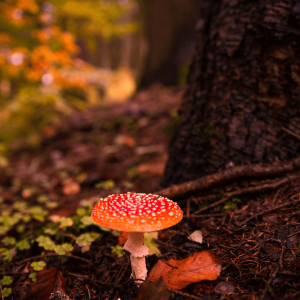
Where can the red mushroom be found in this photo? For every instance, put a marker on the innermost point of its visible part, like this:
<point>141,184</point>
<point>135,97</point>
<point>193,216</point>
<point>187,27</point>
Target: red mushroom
<point>136,213</point>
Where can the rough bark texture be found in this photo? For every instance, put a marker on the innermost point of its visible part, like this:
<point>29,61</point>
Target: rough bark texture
<point>244,87</point>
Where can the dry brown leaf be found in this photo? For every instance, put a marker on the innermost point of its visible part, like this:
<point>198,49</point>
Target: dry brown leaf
<point>123,139</point>
<point>271,218</point>
<point>153,291</point>
<point>48,281</point>
<point>177,274</point>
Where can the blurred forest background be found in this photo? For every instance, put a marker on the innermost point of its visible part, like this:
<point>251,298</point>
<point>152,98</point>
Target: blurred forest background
<point>62,56</point>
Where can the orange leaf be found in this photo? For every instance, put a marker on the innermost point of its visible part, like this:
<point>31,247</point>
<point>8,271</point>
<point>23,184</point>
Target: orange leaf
<point>177,274</point>
<point>123,237</point>
<point>48,281</point>
<point>70,187</point>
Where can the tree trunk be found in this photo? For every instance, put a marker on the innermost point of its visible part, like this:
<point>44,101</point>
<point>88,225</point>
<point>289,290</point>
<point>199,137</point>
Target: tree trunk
<point>242,104</point>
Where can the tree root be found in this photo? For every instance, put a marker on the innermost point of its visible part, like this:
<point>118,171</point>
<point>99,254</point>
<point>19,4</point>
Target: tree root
<point>229,175</point>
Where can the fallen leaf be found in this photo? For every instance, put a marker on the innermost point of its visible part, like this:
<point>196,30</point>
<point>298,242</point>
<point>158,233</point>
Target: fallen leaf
<point>70,187</point>
<point>156,290</point>
<point>224,288</point>
<point>149,241</point>
<point>177,274</point>
<point>123,139</point>
<point>123,237</point>
<point>271,218</point>
<point>196,236</point>
<point>48,281</point>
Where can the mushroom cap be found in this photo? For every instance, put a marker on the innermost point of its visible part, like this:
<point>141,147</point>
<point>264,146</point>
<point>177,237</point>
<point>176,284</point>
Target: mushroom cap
<point>136,212</point>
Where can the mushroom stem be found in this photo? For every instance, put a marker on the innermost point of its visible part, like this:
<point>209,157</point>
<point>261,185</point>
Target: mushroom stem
<point>135,245</point>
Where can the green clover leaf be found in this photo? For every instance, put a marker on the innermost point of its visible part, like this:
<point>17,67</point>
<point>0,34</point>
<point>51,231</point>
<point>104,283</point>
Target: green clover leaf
<point>23,245</point>
<point>6,292</point>
<point>8,241</point>
<point>45,242</point>
<point>33,277</point>
<point>80,211</point>
<point>50,231</point>
<point>87,220</point>
<point>63,249</point>
<point>66,222</point>
<point>38,265</point>
<point>6,280</point>
<point>86,239</point>
<point>118,250</point>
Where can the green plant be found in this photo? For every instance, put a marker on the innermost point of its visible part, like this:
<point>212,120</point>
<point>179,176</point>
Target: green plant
<point>231,205</point>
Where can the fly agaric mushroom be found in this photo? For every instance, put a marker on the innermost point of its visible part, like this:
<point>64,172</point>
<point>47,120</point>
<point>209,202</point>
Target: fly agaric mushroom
<point>136,213</point>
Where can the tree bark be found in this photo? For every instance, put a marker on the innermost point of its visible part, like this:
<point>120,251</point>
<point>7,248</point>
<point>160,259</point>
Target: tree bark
<point>243,92</point>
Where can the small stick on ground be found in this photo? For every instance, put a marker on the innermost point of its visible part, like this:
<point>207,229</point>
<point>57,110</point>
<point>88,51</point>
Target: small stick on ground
<point>236,173</point>
<point>268,283</point>
<point>185,295</point>
<point>49,255</point>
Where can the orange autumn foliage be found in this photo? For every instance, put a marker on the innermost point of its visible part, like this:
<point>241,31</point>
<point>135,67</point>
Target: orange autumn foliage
<point>177,274</point>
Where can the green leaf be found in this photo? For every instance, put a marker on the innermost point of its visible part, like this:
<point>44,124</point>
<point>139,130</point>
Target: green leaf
<point>4,229</point>
<point>20,205</point>
<point>33,277</point>
<point>8,241</point>
<point>6,292</point>
<point>10,221</point>
<point>51,204</point>
<point>87,221</point>
<point>23,245</point>
<point>38,265</point>
<point>86,239</point>
<point>38,213</point>
<point>7,254</point>
<point>63,249</point>
<point>80,211</point>
<point>149,241</point>
<point>42,199</point>
<point>50,231</point>
<point>65,222</point>
<point>45,242</point>
<point>108,184</point>
<point>118,250</point>
<point>6,280</point>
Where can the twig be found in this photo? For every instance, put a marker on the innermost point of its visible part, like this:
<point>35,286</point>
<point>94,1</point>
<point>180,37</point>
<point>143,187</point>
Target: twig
<point>49,255</point>
<point>268,284</point>
<point>281,256</point>
<point>210,206</point>
<point>267,211</point>
<point>236,173</point>
<point>185,295</point>
<point>291,133</point>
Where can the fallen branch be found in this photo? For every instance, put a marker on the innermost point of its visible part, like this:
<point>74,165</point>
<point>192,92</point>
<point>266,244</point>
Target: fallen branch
<point>49,255</point>
<point>251,190</point>
<point>236,173</point>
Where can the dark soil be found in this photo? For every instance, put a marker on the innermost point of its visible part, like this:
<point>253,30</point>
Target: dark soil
<point>257,236</point>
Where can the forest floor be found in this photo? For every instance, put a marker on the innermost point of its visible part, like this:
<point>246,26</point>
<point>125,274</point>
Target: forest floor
<point>46,196</point>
